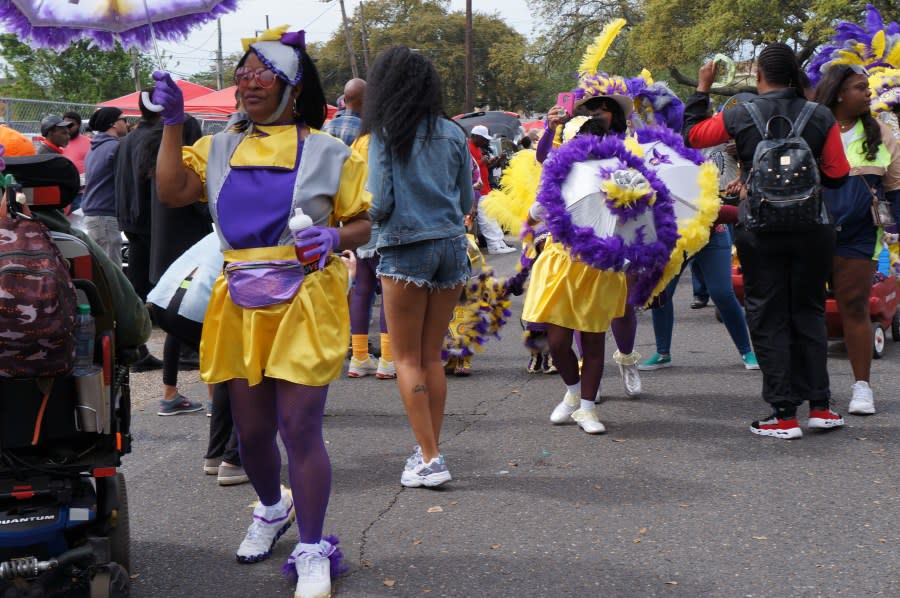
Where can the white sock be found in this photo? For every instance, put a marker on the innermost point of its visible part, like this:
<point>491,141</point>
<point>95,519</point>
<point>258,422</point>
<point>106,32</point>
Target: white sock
<point>574,389</point>
<point>309,548</point>
<point>587,405</point>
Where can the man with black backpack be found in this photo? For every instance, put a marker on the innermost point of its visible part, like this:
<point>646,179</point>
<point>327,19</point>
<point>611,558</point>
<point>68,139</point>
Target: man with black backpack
<point>787,148</point>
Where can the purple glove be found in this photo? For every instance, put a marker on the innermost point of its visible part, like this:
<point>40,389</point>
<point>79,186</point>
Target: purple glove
<point>169,96</point>
<point>318,241</point>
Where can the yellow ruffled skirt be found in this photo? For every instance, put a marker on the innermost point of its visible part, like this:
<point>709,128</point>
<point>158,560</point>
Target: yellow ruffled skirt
<point>302,341</point>
<point>571,294</point>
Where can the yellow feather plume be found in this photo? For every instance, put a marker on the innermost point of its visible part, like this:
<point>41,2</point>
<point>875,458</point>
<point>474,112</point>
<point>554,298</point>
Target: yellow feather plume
<point>647,76</point>
<point>893,57</point>
<point>847,57</point>
<point>878,42</point>
<point>596,52</point>
<point>519,182</point>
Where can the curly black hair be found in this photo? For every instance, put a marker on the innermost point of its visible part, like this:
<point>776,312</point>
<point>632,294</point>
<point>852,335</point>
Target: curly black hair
<point>827,92</point>
<point>403,90</point>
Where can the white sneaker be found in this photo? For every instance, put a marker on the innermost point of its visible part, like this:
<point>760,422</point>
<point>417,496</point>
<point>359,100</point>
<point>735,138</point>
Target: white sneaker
<point>269,524</point>
<point>313,574</point>
<point>863,401</point>
<point>366,367</point>
<point>500,249</point>
<point>386,370</point>
<point>588,420</point>
<point>431,474</point>
<point>628,367</point>
<point>563,412</point>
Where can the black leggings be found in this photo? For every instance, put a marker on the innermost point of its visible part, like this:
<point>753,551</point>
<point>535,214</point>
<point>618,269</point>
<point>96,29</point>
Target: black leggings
<point>223,440</point>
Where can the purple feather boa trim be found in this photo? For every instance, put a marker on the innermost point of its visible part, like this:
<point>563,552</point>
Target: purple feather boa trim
<point>335,558</point>
<point>59,38</point>
<point>647,259</point>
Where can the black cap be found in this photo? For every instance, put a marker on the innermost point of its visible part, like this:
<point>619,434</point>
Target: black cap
<point>51,121</point>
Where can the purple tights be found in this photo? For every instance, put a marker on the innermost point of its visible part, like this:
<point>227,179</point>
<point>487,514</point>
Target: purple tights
<point>295,412</point>
<point>363,295</point>
<point>624,329</point>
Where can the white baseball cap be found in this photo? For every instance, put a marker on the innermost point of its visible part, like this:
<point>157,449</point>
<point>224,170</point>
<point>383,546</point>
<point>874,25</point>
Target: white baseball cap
<point>481,131</point>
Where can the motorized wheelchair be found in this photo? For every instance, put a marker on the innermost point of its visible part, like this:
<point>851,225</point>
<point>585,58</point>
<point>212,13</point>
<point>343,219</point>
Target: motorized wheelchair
<point>64,526</point>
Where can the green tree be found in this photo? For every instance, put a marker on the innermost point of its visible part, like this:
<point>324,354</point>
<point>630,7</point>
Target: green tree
<point>506,77</point>
<point>80,73</point>
<point>673,37</point>
<point>210,77</point>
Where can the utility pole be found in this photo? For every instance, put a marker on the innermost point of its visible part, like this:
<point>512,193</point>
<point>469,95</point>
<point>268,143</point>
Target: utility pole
<point>353,68</point>
<point>220,83</point>
<point>135,69</point>
<point>365,35</point>
<point>470,91</point>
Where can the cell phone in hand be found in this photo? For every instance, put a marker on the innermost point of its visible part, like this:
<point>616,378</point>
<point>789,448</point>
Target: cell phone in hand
<point>566,99</point>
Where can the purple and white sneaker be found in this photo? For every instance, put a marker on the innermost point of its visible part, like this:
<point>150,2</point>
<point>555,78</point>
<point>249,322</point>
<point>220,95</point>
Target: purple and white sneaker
<point>269,524</point>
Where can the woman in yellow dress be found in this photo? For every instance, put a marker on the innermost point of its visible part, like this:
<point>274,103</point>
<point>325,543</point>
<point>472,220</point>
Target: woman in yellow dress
<point>276,327</point>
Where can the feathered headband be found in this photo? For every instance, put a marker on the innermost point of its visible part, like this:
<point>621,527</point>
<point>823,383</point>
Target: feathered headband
<point>873,45</point>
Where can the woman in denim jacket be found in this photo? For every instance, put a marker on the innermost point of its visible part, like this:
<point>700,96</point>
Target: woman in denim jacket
<point>421,185</point>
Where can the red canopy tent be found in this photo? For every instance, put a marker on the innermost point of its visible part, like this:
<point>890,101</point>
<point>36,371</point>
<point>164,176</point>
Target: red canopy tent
<point>221,103</point>
<point>128,104</point>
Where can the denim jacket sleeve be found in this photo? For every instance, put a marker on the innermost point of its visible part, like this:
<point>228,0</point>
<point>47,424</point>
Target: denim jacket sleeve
<point>464,180</point>
<point>381,183</point>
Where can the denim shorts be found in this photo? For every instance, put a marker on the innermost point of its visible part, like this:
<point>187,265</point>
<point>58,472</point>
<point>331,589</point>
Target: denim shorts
<point>435,264</point>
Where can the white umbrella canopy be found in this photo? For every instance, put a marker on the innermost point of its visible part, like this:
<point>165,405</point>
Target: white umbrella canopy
<point>132,23</point>
<point>586,204</point>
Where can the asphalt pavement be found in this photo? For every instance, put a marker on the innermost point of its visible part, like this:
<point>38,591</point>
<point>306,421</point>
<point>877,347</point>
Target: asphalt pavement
<point>677,499</point>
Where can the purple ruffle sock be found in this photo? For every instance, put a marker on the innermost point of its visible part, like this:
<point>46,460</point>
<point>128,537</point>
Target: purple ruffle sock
<point>335,558</point>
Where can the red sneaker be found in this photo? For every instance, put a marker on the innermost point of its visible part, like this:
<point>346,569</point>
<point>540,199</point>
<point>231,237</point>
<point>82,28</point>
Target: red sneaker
<point>786,428</point>
<point>824,419</point>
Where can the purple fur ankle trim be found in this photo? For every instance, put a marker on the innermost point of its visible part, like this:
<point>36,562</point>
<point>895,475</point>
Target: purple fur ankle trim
<point>335,558</point>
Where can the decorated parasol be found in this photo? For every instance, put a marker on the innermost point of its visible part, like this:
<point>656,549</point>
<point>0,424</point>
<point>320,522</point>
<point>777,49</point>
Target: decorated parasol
<point>133,23</point>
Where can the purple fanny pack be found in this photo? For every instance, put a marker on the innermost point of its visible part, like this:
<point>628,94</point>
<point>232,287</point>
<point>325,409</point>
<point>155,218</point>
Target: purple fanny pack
<point>261,284</point>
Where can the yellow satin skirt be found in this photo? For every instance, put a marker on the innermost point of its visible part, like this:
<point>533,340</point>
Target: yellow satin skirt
<point>302,341</point>
<point>571,294</point>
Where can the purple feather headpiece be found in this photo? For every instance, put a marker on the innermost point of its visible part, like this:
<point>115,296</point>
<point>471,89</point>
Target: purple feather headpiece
<point>872,45</point>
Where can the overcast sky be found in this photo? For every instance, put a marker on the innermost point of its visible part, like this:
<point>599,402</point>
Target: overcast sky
<point>319,19</point>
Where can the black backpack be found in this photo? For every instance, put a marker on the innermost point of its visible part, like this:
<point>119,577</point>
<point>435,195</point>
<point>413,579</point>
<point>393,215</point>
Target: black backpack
<point>784,189</point>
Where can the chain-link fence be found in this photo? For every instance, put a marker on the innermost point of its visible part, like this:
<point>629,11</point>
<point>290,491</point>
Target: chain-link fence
<point>25,115</point>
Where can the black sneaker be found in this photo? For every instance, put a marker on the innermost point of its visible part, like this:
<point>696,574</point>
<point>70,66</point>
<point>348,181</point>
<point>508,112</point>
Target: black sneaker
<point>699,302</point>
<point>534,364</point>
<point>549,367</point>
